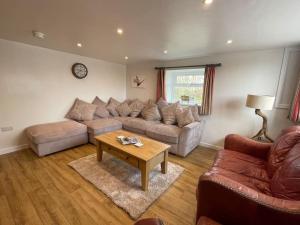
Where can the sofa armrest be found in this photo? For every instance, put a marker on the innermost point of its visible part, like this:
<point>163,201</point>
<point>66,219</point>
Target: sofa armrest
<point>248,146</point>
<point>190,137</point>
<point>230,202</point>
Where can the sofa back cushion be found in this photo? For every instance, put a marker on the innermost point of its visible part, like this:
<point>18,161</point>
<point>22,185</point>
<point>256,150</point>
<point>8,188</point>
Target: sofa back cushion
<point>279,150</point>
<point>169,113</point>
<point>286,180</point>
<point>112,105</point>
<point>136,107</point>
<point>150,112</point>
<point>123,109</point>
<point>101,110</point>
<point>81,111</point>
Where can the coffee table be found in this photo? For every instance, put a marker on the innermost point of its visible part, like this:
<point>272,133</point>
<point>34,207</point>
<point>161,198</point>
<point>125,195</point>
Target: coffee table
<point>144,158</point>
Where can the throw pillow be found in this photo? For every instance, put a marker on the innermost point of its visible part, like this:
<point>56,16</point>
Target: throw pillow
<point>169,113</point>
<point>101,110</point>
<point>123,109</point>
<point>161,103</point>
<point>150,112</point>
<point>184,117</point>
<point>112,105</point>
<point>195,112</point>
<point>136,108</point>
<point>81,111</point>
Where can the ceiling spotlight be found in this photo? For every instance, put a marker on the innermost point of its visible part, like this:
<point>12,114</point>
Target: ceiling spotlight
<point>38,34</point>
<point>165,51</point>
<point>207,2</point>
<point>229,42</point>
<point>126,57</point>
<point>79,45</point>
<point>119,31</point>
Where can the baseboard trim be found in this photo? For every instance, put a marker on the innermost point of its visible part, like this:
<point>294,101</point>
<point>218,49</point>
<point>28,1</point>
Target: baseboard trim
<point>13,149</point>
<point>206,145</point>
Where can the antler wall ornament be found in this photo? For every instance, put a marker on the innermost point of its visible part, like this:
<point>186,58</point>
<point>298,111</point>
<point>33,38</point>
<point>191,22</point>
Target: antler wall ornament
<point>138,81</point>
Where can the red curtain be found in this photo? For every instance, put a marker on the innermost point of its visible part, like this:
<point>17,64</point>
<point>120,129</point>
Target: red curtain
<point>160,90</point>
<point>208,86</point>
<point>295,107</point>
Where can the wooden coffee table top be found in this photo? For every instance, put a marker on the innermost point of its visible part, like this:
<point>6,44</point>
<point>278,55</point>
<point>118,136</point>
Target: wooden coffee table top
<point>150,148</point>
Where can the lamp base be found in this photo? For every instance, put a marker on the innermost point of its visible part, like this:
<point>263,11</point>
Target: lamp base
<point>262,133</point>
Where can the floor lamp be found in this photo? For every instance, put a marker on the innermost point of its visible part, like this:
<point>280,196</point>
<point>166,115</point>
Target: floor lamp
<point>259,103</point>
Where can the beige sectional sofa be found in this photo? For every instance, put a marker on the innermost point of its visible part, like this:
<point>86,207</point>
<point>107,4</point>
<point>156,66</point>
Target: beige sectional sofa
<point>183,140</point>
<point>52,137</point>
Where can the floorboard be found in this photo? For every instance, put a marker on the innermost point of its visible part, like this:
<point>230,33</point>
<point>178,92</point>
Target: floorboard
<point>46,191</point>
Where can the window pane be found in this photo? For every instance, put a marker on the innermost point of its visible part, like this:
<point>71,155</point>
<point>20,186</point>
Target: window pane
<point>185,85</point>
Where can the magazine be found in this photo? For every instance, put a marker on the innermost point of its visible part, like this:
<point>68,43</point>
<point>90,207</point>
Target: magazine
<point>130,140</point>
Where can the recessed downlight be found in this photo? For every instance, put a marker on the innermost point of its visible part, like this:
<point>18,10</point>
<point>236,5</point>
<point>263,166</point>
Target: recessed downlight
<point>165,51</point>
<point>38,34</point>
<point>126,58</point>
<point>120,31</point>
<point>207,2</point>
<point>229,42</point>
<point>79,45</point>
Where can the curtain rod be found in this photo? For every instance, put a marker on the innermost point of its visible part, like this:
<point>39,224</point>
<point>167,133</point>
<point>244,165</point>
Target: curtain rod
<point>194,66</point>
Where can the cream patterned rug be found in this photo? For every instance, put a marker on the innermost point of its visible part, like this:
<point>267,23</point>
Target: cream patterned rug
<point>122,182</point>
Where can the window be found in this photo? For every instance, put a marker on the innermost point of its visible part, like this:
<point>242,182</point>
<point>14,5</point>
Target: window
<point>185,85</point>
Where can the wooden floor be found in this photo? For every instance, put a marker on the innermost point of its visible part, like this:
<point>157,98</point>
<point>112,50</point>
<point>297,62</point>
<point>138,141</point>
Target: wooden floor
<point>47,191</point>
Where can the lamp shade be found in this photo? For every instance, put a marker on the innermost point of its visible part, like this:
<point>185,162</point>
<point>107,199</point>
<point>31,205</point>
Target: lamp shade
<point>260,102</point>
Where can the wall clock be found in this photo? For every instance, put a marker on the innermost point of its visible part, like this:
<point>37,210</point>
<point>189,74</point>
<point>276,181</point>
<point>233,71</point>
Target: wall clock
<point>79,70</point>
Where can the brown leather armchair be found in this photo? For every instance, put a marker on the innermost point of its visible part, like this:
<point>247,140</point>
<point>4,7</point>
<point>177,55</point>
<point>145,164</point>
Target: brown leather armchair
<point>253,183</point>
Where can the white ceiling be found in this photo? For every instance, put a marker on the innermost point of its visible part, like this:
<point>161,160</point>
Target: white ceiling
<point>186,28</point>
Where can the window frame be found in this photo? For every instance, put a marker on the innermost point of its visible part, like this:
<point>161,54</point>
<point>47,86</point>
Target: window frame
<point>183,85</point>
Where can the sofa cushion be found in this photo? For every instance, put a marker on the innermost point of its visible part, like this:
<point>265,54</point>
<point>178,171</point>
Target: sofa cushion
<point>150,112</point>
<point>164,133</point>
<point>81,111</point>
<point>123,109</point>
<point>101,110</point>
<point>184,117</point>
<point>286,181</point>
<point>112,105</point>
<point>137,125</point>
<point>104,125</point>
<point>195,112</point>
<point>161,103</point>
<point>136,107</point>
<point>242,164</point>
<point>280,149</point>
<point>50,132</point>
<point>169,113</point>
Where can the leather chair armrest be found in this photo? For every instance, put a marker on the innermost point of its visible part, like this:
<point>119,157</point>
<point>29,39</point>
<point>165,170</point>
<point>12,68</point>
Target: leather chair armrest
<point>248,146</point>
<point>229,202</point>
<point>150,221</point>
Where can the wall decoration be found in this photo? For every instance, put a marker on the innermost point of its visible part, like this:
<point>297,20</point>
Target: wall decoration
<point>79,70</point>
<point>138,81</point>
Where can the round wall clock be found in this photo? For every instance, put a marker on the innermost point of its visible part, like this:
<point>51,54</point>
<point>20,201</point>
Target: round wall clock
<point>79,70</point>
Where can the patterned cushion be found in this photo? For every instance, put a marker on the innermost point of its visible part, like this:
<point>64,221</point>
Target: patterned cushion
<point>81,110</point>
<point>161,103</point>
<point>123,109</point>
<point>169,113</point>
<point>195,112</point>
<point>184,117</point>
<point>136,107</point>
<point>101,110</point>
<point>112,105</point>
<point>150,112</point>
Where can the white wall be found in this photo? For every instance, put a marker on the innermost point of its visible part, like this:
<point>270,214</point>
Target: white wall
<point>37,86</point>
<point>251,72</point>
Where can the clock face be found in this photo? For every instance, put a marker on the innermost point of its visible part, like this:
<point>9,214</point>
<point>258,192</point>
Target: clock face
<point>79,70</point>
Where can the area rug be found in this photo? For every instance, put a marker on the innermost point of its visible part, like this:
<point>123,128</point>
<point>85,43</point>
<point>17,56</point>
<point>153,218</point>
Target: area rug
<point>122,182</point>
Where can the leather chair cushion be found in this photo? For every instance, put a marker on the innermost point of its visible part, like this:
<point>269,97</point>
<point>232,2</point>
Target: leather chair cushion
<point>286,180</point>
<point>280,149</point>
<point>242,164</point>
<point>251,182</point>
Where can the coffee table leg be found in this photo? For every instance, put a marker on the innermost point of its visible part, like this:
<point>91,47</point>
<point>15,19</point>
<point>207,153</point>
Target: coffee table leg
<point>99,152</point>
<point>164,164</point>
<point>144,175</point>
